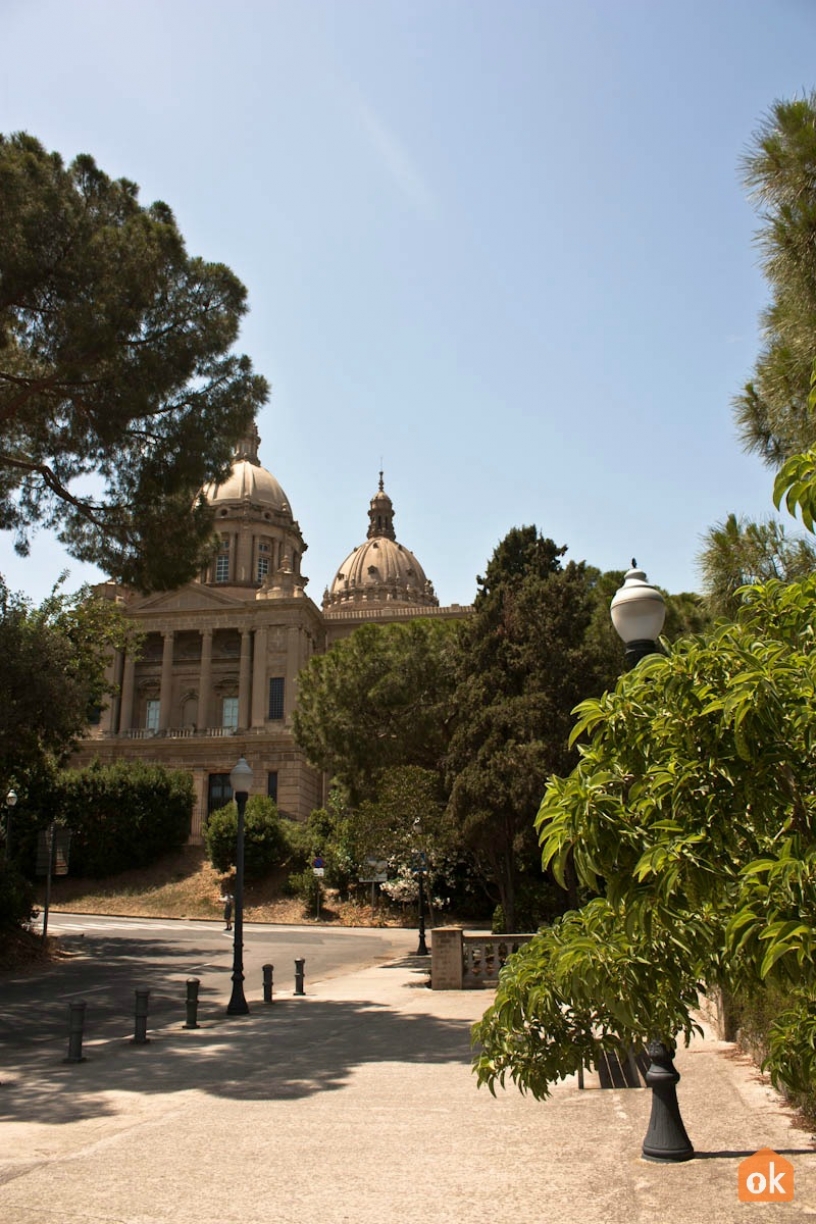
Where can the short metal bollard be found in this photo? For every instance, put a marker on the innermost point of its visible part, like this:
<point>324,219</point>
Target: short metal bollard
<point>192,1003</point>
<point>299,964</point>
<point>140,1036</point>
<point>76,1022</point>
<point>267,983</point>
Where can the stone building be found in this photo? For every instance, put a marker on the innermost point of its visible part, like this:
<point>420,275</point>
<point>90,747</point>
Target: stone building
<point>216,674</point>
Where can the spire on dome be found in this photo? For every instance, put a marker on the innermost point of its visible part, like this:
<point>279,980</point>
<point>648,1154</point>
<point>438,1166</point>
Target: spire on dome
<point>381,515</point>
<point>247,447</point>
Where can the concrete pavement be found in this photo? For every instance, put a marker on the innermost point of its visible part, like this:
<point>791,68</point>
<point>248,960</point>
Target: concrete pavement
<point>356,1103</point>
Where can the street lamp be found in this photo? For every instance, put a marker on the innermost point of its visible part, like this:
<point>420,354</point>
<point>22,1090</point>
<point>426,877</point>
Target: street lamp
<point>638,612</point>
<point>240,781</point>
<point>11,803</point>
<point>420,866</point>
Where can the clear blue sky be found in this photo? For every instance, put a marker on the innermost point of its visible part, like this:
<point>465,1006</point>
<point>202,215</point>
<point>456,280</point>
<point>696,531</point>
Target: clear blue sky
<point>498,247</point>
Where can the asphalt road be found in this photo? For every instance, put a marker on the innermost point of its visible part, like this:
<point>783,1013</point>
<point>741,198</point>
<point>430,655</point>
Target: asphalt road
<point>109,958</point>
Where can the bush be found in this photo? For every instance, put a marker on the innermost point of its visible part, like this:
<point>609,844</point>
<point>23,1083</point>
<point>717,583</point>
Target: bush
<point>304,884</point>
<point>266,845</point>
<point>121,816</point>
<point>16,899</point>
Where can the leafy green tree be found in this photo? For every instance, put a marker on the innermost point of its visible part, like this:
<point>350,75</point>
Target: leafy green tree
<point>780,172</point>
<point>692,814</point>
<point>531,651</point>
<point>378,699</point>
<point>115,365</point>
<point>265,843</point>
<point>52,660</point>
<point>738,553</point>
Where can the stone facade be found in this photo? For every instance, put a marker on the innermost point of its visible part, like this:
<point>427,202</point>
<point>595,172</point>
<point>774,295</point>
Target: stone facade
<point>215,674</point>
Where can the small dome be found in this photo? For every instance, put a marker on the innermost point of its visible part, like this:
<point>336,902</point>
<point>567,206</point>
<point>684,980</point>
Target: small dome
<point>381,571</point>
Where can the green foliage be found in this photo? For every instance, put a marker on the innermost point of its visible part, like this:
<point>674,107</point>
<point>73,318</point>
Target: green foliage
<point>265,842</point>
<point>304,885</point>
<point>738,553</point>
<point>692,811</point>
<point>52,660</point>
<point>533,649</point>
<point>773,414</point>
<point>123,815</point>
<point>378,699</point>
<point>115,363</point>
<point>586,981</point>
<point>16,898</point>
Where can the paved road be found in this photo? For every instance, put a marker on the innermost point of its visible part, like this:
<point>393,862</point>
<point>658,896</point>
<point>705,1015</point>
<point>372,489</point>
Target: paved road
<point>110,957</point>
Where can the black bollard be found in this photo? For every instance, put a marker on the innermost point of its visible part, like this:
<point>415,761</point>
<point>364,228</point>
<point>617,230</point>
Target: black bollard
<point>267,983</point>
<point>140,1036</point>
<point>299,964</point>
<point>666,1138</point>
<point>192,1004</point>
<point>76,1022</point>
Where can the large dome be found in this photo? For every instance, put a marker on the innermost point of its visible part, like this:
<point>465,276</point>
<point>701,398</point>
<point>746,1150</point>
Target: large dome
<point>381,571</point>
<point>260,542</point>
<point>249,482</point>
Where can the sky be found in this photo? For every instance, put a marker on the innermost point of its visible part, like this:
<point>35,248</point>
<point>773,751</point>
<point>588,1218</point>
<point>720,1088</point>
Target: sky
<point>499,249</point>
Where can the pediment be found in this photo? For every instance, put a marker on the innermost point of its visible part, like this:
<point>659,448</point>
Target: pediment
<point>192,598</point>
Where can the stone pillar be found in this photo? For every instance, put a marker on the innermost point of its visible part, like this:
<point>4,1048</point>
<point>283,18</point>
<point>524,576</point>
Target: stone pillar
<point>447,967</point>
<point>126,705</point>
<point>259,679</point>
<point>113,674</point>
<point>293,665</point>
<point>205,680</point>
<point>166,692</point>
<point>245,678</point>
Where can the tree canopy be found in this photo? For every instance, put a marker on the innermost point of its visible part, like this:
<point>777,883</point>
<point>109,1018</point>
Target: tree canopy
<point>378,699</point>
<point>52,660</point>
<point>692,814</point>
<point>534,647</point>
<point>779,171</point>
<point>119,395</point>
<point>739,553</point>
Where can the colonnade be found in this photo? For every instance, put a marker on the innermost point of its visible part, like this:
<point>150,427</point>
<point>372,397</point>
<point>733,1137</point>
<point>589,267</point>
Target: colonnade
<point>252,679</point>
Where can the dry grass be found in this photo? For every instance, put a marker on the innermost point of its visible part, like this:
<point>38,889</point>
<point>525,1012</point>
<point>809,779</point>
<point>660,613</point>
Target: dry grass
<point>185,885</point>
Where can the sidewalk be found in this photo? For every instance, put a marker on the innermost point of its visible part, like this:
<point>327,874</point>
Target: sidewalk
<point>356,1103</point>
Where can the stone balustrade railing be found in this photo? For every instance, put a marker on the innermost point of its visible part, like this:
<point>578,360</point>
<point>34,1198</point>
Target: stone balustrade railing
<point>462,960</point>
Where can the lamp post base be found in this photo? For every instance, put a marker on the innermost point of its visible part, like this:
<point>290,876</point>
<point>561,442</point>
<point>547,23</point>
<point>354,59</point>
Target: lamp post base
<point>666,1139</point>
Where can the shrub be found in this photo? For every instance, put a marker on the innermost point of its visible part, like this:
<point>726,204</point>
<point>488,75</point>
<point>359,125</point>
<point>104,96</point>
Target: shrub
<point>265,843</point>
<point>16,899</point>
<point>123,815</point>
<point>304,884</point>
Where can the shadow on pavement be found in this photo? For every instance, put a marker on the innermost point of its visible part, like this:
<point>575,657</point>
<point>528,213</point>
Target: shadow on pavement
<point>292,1048</point>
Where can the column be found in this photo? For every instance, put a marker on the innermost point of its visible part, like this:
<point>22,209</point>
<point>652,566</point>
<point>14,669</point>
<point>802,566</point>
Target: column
<point>126,704</point>
<point>293,664</point>
<point>259,679</point>
<point>166,692</point>
<point>113,675</point>
<point>205,680</point>
<point>244,679</point>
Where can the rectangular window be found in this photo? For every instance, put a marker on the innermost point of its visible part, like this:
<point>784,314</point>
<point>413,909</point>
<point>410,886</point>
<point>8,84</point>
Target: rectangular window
<point>229,713</point>
<point>272,785</point>
<point>152,717</point>
<point>263,568</point>
<point>276,697</point>
<point>222,567</point>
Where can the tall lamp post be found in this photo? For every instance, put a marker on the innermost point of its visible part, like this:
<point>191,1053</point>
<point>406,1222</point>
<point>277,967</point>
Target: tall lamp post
<point>638,612</point>
<point>240,781</point>
<point>420,867</point>
<point>11,803</point>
